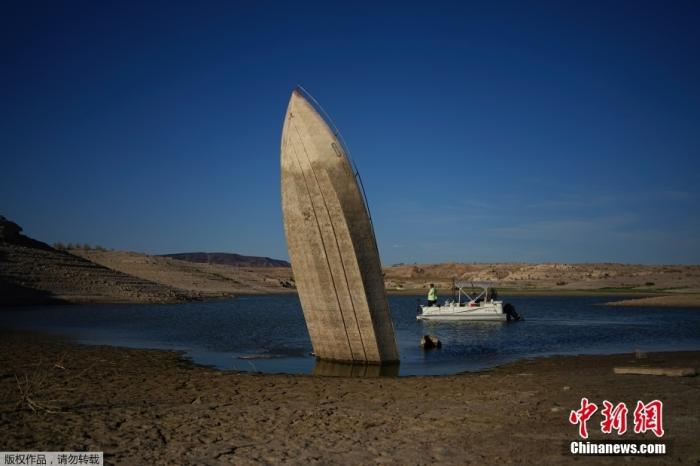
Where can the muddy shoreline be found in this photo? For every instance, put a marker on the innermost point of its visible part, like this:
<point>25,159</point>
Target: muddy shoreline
<point>154,407</point>
<point>618,298</point>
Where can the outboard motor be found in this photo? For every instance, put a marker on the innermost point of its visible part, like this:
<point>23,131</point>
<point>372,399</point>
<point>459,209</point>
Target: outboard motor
<point>511,314</point>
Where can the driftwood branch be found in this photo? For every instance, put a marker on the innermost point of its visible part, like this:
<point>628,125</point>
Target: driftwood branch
<point>36,388</point>
<point>667,371</point>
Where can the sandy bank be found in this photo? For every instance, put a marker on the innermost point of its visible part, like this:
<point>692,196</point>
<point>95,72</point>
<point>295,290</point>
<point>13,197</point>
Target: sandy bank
<point>675,300</point>
<point>152,407</point>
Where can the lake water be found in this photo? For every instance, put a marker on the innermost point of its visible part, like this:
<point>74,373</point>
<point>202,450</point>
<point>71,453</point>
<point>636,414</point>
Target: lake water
<point>268,333</point>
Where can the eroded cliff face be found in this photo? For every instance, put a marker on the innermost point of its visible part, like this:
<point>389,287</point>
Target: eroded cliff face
<point>11,233</point>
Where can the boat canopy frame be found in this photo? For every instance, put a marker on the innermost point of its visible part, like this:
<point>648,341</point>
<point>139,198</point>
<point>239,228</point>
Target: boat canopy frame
<point>460,286</point>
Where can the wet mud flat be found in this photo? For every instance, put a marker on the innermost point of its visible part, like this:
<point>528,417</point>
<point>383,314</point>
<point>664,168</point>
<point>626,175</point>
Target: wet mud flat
<point>154,407</point>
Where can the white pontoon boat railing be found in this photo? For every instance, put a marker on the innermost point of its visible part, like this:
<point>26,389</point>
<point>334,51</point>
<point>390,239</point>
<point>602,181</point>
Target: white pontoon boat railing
<point>471,284</point>
<point>461,285</point>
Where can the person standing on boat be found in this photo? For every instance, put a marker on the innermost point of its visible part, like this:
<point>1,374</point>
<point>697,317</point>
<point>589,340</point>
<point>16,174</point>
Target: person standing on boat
<point>432,295</point>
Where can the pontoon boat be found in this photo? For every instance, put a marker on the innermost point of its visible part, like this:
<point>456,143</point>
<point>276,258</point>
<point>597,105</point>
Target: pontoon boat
<point>475,306</point>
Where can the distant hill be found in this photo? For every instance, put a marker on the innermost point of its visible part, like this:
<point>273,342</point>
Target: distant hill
<point>225,258</point>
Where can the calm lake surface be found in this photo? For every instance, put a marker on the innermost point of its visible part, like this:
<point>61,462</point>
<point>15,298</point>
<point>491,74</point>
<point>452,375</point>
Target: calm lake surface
<point>268,333</point>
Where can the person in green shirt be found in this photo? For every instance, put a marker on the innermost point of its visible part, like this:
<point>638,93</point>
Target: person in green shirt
<point>432,296</point>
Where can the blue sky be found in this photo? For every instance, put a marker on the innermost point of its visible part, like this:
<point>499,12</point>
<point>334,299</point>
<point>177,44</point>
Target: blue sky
<point>559,131</point>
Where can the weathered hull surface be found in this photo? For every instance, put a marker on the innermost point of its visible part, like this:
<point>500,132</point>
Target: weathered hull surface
<point>331,243</point>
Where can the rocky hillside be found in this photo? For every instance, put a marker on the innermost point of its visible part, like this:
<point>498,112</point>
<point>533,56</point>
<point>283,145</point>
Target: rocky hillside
<point>32,272</point>
<point>224,258</point>
<point>207,280</point>
<point>613,277</point>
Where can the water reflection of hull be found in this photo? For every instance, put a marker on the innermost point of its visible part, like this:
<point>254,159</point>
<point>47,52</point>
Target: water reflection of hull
<point>339,369</point>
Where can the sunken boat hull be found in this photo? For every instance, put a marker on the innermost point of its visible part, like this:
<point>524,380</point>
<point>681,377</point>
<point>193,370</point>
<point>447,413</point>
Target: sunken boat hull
<point>331,243</point>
